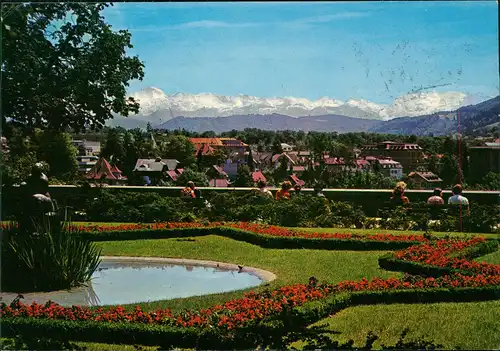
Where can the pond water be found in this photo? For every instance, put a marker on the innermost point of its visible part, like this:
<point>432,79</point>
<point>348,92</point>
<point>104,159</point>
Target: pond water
<point>117,282</point>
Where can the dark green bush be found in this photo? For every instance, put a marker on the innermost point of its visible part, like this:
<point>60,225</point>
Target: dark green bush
<point>341,214</point>
<point>109,206</point>
<point>300,210</point>
<point>416,216</point>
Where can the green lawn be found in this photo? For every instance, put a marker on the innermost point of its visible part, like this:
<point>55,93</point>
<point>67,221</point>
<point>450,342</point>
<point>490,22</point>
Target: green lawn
<point>467,325</point>
<point>395,232</point>
<point>493,258</point>
<point>290,266</point>
<point>464,325</point>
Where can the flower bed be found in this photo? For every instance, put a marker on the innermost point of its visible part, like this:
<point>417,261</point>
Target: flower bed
<point>471,280</point>
<point>266,236</point>
<point>267,230</point>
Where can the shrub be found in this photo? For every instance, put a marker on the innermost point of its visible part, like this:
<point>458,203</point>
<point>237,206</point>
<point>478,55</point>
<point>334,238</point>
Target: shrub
<point>110,206</point>
<point>51,259</point>
<point>341,214</point>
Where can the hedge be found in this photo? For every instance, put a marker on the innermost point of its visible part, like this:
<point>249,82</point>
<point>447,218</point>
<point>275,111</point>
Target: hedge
<point>265,241</point>
<point>275,327</point>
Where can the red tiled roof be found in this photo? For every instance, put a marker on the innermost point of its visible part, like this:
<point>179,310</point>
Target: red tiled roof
<point>208,141</point>
<point>334,161</point>
<point>298,168</point>
<point>296,180</point>
<point>256,176</point>
<point>229,142</point>
<point>219,183</point>
<point>103,168</point>
<point>278,156</point>
<point>173,175</point>
<point>115,169</point>
<point>361,163</point>
<point>180,170</point>
<point>205,149</point>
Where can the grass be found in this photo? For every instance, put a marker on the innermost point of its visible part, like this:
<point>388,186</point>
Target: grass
<point>474,325</point>
<point>466,325</point>
<point>493,258</point>
<point>394,232</point>
<point>290,266</point>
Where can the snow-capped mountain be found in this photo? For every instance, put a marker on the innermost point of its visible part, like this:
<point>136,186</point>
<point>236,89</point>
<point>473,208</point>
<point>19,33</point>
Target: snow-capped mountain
<point>153,100</point>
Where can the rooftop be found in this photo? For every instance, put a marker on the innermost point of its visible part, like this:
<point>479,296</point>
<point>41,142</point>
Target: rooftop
<point>427,176</point>
<point>256,176</point>
<point>155,165</point>
<point>219,183</point>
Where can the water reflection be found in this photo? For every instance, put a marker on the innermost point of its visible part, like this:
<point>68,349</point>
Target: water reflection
<point>122,283</point>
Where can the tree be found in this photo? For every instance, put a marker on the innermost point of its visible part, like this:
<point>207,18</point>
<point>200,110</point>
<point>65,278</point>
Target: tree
<point>114,148</point>
<point>16,164</point>
<point>63,66</point>
<point>199,178</point>
<point>276,147</point>
<point>433,165</point>
<point>451,173</point>
<point>318,143</point>
<point>56,149</point>
<point>491,181</point>
<point>180,148</point>
<point>132,152</point>
<point>250,161</point>
<point>243,178</point>
<point>282,171</point>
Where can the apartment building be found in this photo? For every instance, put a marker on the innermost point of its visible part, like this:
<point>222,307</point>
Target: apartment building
<point>410,156</point>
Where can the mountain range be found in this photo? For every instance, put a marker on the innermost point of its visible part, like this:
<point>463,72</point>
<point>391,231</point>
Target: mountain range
<point>415,113</point>
<point>471,119</point>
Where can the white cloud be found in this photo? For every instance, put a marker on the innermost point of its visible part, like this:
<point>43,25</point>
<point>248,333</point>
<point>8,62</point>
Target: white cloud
<point>300,22</point>
<point>214,24</point>
<point>332,17</point>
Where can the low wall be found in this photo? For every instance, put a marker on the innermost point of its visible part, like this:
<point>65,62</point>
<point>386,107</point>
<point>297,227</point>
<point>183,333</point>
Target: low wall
<point>369,199</point>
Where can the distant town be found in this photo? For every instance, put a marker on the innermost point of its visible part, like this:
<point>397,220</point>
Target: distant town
<point>154,158</point>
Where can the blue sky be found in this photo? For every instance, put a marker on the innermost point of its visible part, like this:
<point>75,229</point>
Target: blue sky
<point>368,50</point>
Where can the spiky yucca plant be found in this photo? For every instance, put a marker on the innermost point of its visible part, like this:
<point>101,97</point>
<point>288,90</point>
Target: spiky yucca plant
<point>52,258</point>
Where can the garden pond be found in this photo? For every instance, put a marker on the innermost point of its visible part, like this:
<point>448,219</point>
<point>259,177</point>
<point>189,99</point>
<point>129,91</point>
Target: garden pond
<point>130,280</point>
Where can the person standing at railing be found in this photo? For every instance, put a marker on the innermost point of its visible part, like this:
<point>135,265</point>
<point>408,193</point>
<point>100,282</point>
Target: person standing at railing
<point>263,188</point>
<point>190,190</point>
<point>398,197</point>
<point>457,198</point>
<point>284,192</point>
<point>436,198</point>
